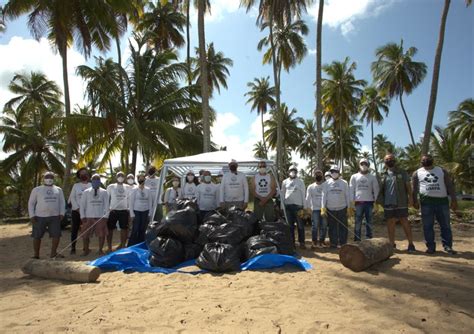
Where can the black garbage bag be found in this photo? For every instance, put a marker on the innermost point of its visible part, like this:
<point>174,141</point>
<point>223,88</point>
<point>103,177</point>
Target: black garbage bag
<point>229,233</point>
<point>166,252</point>
<point>192,251</point>
<point>187,203</point>
<point>258,244</point>
<point>215,218</point>
<point>203,235</point>
<point>280,232</point>
<point>181,225</point>
<point>210,223</point>
<point>247,221</point>
<point>218,257</point>
<point>151,232</point>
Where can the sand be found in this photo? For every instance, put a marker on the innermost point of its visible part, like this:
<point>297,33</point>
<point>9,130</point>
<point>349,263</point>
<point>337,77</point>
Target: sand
<point>407,294</point>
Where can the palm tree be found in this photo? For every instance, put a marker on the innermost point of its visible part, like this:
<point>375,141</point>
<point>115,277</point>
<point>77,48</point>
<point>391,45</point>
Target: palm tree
<point>319,105</point>
<point>3,26</point>
<point>341,93</point>
<point>349,142</point>
<point>462,121</point>
<point>262,97</point>
<point>217,68</point>
<point>383,146</point>
<point>395,73</point>
<point>87,23</point>
<point>410,157</point>
<point>154,107</point>
<point>164,25</point>
<point>371,107</point>
<point>259,150</point>
<point>307,147</point>
<point>292,133</point>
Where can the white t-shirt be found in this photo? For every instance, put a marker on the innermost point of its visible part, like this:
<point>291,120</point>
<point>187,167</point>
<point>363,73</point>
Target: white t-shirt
<point>189,190</point>
<point>293,191</point>
<point>76,194</point>
<point>140,200</point>
<point>263,184</point>
<point>152,184</point>
<point>207,196</point>
<point>336,195</point>
<point>46,201</point>
<point>94,206</point>
<point>171,195</point>
<point>314,196</point>
<point>234,188</point>
<point>432,182</point>
<point>118,196</point>
<point>363,187</point>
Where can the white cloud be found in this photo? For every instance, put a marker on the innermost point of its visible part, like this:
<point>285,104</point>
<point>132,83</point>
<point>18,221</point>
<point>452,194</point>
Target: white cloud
<point>342,14</point>
<point>25,55</point>
<point>312,52</point>
<point>219,8</point>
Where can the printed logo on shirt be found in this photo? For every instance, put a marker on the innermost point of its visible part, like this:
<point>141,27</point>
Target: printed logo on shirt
<point>208,189</point>
<point>120,190</point>
<point>263,183</point>
<point>233,178</point>
<point>432,181</point>
<point>49,192</point>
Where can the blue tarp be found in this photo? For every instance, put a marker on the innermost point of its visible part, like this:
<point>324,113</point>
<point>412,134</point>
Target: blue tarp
<point>135,259</point>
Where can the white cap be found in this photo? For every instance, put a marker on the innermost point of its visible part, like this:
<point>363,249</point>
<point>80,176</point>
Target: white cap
<point>364,160</point>
<point>328,173</point>
<point>48,173</point>
<point>130,176</point>
<point>292,168</point>
<point>334,167</point>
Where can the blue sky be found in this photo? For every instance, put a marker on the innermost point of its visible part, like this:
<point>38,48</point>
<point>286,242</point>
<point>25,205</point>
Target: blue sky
<point>353,28</point>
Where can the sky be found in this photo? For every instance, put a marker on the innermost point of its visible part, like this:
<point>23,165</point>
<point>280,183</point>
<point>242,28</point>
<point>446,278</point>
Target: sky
<point>351,28</point>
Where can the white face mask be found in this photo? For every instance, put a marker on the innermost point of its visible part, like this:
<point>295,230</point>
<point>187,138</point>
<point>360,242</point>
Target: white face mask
<point>327,177</point>
<point>130,181</point>
<point>190,178</point>
<point>207,178</point>
<point>120,179</point>
<point>292,175</point>
<point>262,170</point>
<point>335,176</point>
<point>175,183</point>
<point>48,182</point>
<point>364,168</point>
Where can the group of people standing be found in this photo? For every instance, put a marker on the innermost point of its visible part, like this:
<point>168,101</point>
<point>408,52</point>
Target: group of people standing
<point>330,200</point>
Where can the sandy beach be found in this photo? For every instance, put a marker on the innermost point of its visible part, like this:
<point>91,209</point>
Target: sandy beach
<point>407,294</point>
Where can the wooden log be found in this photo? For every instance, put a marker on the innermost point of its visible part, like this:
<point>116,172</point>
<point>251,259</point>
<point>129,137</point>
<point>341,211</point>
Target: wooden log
<point>361,255</point>
<point>63,270</point>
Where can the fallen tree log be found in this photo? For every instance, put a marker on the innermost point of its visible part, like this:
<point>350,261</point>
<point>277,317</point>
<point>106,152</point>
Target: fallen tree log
<point>361,255</point>
<point>63,270</point>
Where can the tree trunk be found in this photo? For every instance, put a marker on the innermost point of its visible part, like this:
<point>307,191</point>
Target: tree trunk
<point>63,270</point>
<point>134,159</point>
<point>69,136</point>
<point>188,43</point>
<point>434,82</point>
<point>204,78</point>
<point>373,149</point>
<point>319,106</point>
<point>361,255</point>
<point>263,135</point>
<point>341,140</point>
<point>406,119</point>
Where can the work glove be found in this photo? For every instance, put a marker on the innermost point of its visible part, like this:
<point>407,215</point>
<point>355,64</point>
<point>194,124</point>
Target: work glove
<point>350,211</point>
<point>324,212</point>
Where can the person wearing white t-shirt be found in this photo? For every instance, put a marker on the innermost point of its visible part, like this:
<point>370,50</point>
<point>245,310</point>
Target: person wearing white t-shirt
<point>207,195</point>
<point>152,182</point>
<point>75,199</point>
<point>188,190</point>
<point>434,187</point>
<point>263,186</point>
<point>336,206</point>
<point>234,188</point>
<point>314,196</point>
<point>140,205</point>
<point>46,208</point>
<point>94,214</point>
<point>293,195</point>
<point>363,190</point>
<point>172,194</point>
<point>119,213</point>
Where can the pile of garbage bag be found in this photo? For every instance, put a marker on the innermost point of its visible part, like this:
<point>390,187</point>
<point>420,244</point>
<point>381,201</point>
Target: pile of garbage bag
<point>219,243</point>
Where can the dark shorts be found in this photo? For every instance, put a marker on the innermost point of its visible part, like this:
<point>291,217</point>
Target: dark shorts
<point>118,215</point>
<point>391,212</point>
<point>43,224</point>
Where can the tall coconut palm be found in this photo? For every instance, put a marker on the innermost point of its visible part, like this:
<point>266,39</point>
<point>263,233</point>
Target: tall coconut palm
<point>259,150</point>
<point>319,105</point>
<point>217,69</point>
<point>371,107</point>
<point>341,93</point>
<point>307,147</point>
<point>88,23</point>
<point>383,146</point>
<point>292,133</point>
<point>395,73</point>
<point>349,142</point>
<point>262,97</point>
<point>3,25</point>
<point>461,120</point>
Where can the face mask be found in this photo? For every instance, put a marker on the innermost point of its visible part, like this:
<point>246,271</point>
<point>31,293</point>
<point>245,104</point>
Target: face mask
<point>335,176</point>
<point>319,178</point>
<point>233,168</point>
<point>130,181</point>
<point>427,162</point>
<point>190,178</point>
<point>262,170</point>
<point>390,163</point>
<point>364,168</point>
<point>207,178</point>
<point>120,179</point>
<point>83,177</point>
<point>48,182</point>
<point>327,177</point>
<point>292,175</point>
<point>175,183</point>
<point>141,181</point>
<point>95,184</point>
